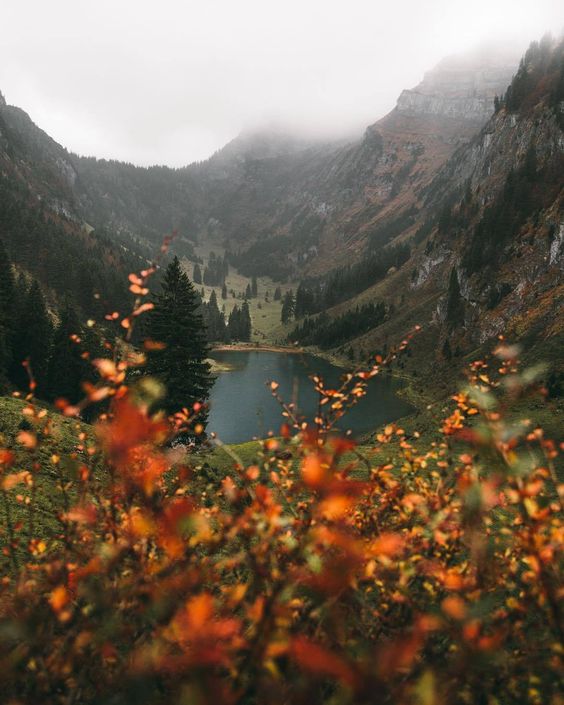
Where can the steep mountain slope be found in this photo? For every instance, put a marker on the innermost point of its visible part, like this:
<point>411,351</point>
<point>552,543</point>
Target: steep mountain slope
<point>286,203</point>
<point>490,257</point>
<point>416,194</point>
<point>42,227</point>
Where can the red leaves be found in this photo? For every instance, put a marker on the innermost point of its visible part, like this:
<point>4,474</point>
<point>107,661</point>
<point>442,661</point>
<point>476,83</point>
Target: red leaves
<point>321,662</point>
<point>130,427</point>
<point>204,637</point>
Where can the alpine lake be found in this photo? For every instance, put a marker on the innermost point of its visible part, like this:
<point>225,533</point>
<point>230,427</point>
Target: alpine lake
<point>242,406</point>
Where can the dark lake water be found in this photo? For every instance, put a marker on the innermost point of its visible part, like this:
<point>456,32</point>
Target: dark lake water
<point>242,406</point>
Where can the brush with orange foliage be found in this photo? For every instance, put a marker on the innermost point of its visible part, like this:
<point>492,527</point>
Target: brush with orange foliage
<point>319,575</point>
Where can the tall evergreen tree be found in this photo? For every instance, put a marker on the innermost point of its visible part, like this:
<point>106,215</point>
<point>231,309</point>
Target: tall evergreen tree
<point>33,340</point>
<point>455,302</point>
<point>288,306</point>
<point>245,322</point>
<point>197,275</point>
<point>181,365</point>
<point>248,292</point>
<point>67,369</point>
<point>224,291</point>
<point>254,287</point>
<point>277,294</point>
<point>7,312</point>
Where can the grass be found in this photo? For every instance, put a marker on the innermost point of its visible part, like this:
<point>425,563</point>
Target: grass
<point>46,498</point>
<point>265,314</point>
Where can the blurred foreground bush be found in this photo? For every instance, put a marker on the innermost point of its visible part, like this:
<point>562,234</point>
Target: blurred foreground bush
<point>315,576</point>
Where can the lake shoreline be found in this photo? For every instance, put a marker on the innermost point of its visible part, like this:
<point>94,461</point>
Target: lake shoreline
<point>257,347</point>
<point>416,399</point>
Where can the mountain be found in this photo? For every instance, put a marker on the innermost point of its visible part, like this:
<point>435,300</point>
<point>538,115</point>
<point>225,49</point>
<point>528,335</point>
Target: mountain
<point>487,257</point>
<point>42,226</point>
<point>300,202</point>
<point>386,218</point>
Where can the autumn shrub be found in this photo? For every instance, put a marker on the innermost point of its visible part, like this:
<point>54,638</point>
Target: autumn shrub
<point>419,573</point>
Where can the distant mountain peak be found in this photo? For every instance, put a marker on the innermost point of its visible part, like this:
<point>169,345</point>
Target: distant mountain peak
<point>462,86</point>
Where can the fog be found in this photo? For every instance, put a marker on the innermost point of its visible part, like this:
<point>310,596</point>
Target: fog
<point>172,81</point>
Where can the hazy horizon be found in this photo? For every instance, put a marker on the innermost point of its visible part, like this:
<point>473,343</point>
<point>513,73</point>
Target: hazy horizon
<point>174,83</point>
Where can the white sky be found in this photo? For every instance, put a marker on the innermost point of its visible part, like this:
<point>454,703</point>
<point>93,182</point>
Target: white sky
<point>171,81</point>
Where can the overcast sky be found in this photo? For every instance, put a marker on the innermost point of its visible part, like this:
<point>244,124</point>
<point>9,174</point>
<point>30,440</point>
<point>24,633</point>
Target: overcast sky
<point>171,81</point>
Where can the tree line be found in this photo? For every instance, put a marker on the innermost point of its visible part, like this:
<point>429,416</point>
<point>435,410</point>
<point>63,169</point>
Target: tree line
<point>330,332</point>
<point>313,296</point>
<point>34,343</point>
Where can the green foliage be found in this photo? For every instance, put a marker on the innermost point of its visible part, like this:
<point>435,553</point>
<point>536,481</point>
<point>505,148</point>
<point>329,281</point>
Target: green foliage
<point>177,355</point>
<point>32,343</point>
<point>216,270</point>
<point>214,320</point>
<point>239,324</point>
<point>526,191</point>
<point>330,332</point>
<point>88,267</point>
<point>7,312</point>
<point>67,367</point>
<point>288,307</point>
<point>455,302</point>
<point>313,296</point>
<point>540,76</point>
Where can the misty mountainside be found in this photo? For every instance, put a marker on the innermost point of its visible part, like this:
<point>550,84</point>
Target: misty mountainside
<point>45,237</point>
<point>487,255</point>
<point>293,196</point>
<point>287,203</point>
<point>447,212</point>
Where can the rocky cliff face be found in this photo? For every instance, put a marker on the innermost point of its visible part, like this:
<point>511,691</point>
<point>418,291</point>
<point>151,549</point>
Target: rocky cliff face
<point>461,88</point>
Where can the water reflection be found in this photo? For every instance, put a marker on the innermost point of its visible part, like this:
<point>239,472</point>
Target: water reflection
<point>242,406</point>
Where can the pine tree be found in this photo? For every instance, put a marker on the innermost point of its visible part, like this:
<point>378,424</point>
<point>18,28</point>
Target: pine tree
<point>254,287</point>
<point>288,306</point>
<point>224,291</point>
<point>245,322</point>
<point>455,302</point>
<point>214,319</point>
<point>181,365</point>
<point>447,351</point>
<point>248,292</point>
<point>7,312</point>
<point>277,294</point>
<point>33,340</point>
<point>67,369</point>
<point>197,274</point>
<point>234,323</point>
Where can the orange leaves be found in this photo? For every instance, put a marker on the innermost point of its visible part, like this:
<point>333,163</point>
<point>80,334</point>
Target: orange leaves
<point>199,611</point>
<point>7,457</point>
<point>143,308</point>
<point>315,471</point>
<point>27,439</point>
<point>312,563</point>
<point>386,545</point>
<point>85,514</point>
<point>321,662</point>
<point>11,481</point>
<point>453,606</point>
<point>336,507</point>
<point>59,598</point>
<point>130,428</point>
<point>203,636</point>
